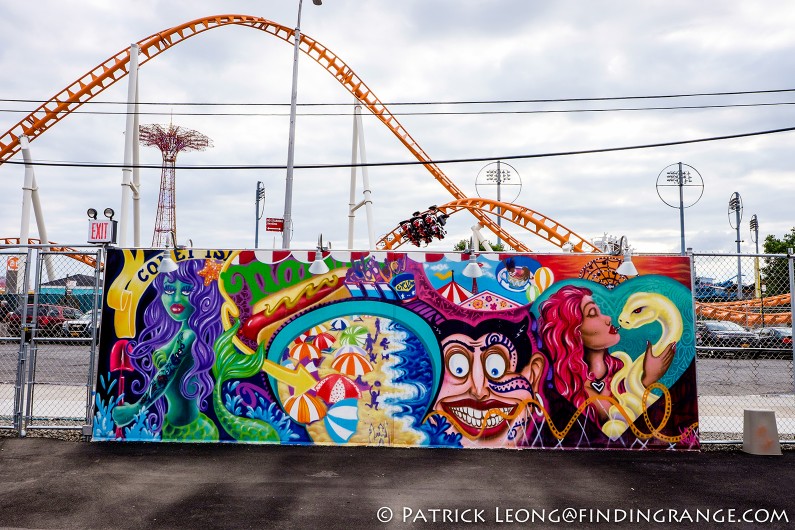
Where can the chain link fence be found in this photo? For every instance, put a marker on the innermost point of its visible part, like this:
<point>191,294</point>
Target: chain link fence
<point>49,322</point>
<point>49,337</point>
<point>743,342</point>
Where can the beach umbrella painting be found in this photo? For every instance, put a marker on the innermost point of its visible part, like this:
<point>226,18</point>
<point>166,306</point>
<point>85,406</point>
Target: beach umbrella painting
<point>317,330</point>
<point>311,333</point>
<point>324,341</point>
<point>336,387</point>
<point>304,350</point>
<point>350,348</point>
<point>338,324</point>
<point>305,408</point>
<point>356,335</point>
<point>342,420</point>
<point>352,364</point>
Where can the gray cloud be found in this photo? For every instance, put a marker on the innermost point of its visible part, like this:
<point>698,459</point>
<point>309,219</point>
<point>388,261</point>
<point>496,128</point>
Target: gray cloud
<point>421,51</point>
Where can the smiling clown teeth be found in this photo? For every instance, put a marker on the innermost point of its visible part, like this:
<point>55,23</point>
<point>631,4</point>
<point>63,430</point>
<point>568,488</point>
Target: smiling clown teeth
<point>474,417</point>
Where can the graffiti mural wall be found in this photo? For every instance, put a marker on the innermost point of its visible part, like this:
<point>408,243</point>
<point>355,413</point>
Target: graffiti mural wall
<point>423,350</point>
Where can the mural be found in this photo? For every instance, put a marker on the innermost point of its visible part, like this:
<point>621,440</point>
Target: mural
<point>534,351</point>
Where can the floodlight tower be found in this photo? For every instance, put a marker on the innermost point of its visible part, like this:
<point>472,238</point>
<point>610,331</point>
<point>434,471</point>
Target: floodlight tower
<point>171,141</point>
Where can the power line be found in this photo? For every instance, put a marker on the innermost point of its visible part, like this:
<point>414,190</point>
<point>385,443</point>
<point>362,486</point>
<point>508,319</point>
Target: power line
<point>417,162</point>
<point>454,102</point>
<point>431,113</point>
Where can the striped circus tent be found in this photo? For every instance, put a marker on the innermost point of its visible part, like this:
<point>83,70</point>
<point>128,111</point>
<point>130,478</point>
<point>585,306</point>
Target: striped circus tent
<point>454,292</point>
<point>304,350</point>
<point>305,408</point>
<point>352,364</point>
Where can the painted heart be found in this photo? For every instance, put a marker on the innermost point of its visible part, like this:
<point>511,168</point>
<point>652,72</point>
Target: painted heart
<point>634,340</point>
<point>598,386</point>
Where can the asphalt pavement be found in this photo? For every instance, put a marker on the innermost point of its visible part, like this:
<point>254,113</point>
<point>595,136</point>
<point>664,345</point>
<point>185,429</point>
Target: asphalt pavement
<point>47,483</point>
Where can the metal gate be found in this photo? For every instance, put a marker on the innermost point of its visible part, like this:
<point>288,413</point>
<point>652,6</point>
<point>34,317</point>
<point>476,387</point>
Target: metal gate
<point>744,342</point>
<point>49,337</point>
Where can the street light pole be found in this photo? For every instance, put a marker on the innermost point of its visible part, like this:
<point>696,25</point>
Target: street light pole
<point>260,196</point>
<point>288,190</point>
<point>735,206</point>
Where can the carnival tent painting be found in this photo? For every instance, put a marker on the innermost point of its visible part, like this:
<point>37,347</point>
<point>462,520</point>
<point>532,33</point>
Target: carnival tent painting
<point>391,349</point>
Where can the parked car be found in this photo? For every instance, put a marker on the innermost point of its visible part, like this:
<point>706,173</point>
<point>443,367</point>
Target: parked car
<point>724,334</point>
<point>49,321</point>
<point>776,337</point>
<point>83,326</point>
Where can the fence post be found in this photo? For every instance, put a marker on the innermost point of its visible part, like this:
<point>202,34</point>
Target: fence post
<point>96,306</point>
<point>791,270</point>
<point>19,386</point>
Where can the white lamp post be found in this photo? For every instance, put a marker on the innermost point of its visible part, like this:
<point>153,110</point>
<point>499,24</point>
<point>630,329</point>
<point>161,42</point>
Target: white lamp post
<point>288,190</point>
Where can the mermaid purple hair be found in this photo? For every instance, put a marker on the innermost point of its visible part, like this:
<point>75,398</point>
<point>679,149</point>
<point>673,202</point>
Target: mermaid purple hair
<point>160,328</point>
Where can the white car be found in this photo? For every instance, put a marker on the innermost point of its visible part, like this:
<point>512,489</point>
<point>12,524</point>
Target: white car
<point>81,327</point>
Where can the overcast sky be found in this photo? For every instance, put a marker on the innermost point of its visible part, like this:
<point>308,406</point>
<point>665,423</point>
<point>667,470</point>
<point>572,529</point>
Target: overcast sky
<point>421,51</point>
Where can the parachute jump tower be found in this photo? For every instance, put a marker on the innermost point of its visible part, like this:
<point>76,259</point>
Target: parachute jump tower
<point>171,141</point>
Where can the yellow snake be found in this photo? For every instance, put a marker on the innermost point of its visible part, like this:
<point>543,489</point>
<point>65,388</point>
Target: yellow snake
<point>640,309</point>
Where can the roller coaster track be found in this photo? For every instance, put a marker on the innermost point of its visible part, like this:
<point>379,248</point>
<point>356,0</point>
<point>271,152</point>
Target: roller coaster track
<point>117,67</point>
<point>526,218</point>
<point>752,312</point>
<point>769,301</point>
<point>70,252</point>
<point>752,316</point>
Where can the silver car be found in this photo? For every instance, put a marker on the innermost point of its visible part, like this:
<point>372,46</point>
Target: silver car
<point>82,327</point>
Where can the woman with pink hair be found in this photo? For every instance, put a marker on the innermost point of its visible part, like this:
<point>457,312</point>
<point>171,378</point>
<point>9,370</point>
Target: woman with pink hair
<point>577,336</point>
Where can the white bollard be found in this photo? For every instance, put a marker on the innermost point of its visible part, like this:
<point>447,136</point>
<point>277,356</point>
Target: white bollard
<point>760,434</point>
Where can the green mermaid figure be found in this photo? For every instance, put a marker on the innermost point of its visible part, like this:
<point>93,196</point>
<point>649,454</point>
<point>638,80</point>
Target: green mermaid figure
<point>175,354</point>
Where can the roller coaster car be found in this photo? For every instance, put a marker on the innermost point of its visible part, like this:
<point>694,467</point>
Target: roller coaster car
<point>423,227</point>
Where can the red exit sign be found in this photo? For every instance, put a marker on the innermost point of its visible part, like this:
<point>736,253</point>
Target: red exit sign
<point>101,231</point>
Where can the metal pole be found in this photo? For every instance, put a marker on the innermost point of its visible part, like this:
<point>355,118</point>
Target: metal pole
<point>136,176</point>
<point>791,269</point>
<point>499,199</point>
<point>260,194</point>
<point>24,347</point>
<point>757,276</point>
<point>368,203</point>
<point>129,138</point>
<point>739,260</point>
<point>681,210</point>
<point>352,194</point>
<point>288,190</point>
<point>27,196</point>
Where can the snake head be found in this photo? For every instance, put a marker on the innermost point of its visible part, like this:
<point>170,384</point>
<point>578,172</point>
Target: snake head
<point>638,311</point>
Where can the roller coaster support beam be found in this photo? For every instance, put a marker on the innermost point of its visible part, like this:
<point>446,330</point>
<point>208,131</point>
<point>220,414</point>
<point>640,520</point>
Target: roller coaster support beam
<point>30,197</point>
<point>136,187</point>
<point>358,142</point>
<point>479,239</point>
<point>128,188</point>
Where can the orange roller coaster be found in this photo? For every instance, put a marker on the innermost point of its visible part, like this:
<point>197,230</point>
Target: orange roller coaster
<point>117,67</point>
<point>70,252</point>
<point>526,218</point>
<point>753,312</point>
